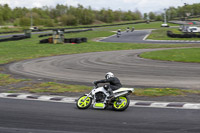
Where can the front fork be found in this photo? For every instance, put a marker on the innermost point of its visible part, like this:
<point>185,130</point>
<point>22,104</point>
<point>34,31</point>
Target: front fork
<point>86,97</point>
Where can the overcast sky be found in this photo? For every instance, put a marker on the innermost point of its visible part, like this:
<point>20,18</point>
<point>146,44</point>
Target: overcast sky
<point>124,5</point>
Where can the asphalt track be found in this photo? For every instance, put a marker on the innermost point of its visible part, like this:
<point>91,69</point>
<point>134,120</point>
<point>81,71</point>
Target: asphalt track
<point>139,36</point>
<point>21,116</point>
<point>132,70</point>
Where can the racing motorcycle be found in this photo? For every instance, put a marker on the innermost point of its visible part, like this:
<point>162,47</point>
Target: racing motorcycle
<point>99,98</point>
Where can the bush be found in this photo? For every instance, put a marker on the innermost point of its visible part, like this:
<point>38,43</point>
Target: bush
<point>49,23</point>
<point>68,20</point>
<point>24,21</point>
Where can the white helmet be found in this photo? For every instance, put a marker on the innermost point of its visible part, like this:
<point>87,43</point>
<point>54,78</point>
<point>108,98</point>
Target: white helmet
<point>109,75</point>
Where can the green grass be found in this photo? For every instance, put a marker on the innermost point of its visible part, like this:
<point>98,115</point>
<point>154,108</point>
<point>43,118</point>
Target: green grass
<point>52,87</point>
<point>140,26</point>
<point>6,79</point>
<point>14,29</point>
<point>157,92</point>
<point>161,34</point>
<point>181,55</point>
<point>194,19</point>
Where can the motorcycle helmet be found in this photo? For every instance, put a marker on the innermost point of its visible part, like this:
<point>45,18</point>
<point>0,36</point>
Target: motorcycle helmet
<point>109,75</point>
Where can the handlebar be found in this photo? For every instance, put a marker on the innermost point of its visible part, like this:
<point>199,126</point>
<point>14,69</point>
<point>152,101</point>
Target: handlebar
<point>95,85</point>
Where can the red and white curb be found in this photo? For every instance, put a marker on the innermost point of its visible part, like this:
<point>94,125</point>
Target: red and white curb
<point>134,103</point>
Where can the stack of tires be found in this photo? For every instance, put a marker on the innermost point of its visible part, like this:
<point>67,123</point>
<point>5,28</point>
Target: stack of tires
<point>14,38</point>
<point>66,40</point>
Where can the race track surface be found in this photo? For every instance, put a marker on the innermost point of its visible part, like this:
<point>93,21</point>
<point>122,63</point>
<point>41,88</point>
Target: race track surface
<point>26,116</point>
<point>131,70</point>
<point>139,36</point>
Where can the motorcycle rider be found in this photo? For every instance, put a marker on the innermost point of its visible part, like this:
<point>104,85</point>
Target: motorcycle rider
<point>118,33</point>
<point>114,83</point>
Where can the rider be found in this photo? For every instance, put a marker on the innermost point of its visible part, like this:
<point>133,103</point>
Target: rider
<point>118,32</point>
<point>114,83</point>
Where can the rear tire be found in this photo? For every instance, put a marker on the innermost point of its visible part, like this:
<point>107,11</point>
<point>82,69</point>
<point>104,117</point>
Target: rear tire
<point>121,103</point>
<point>83,104</point>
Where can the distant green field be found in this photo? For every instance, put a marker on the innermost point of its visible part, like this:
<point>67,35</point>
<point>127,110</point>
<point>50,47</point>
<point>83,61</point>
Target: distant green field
<point>181,55</point>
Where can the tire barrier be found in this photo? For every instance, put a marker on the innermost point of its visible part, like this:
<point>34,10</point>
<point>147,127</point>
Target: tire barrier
<point>14,38</point>
<point>45,35</point>
<point>66,40</point>
<point>8,32</point>
<point>185,35</point>
<point>74,31</point>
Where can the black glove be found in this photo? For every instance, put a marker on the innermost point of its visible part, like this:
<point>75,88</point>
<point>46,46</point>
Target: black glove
<point>95,83</point>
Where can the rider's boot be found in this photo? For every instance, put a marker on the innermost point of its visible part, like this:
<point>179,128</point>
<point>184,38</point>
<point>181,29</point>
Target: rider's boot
<point>111,94</point>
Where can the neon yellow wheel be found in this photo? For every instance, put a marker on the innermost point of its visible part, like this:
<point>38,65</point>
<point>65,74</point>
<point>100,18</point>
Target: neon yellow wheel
<point>121,103</point>
<point>83,104</point>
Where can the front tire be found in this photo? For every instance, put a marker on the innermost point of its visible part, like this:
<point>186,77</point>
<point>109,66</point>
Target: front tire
<point>121,103</point>
<point>83,104</point>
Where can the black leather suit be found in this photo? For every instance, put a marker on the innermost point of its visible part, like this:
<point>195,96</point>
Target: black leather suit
<point>113,81</point>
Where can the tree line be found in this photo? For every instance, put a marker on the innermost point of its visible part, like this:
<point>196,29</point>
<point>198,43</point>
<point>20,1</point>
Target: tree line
<point>183,11</point>
<point>63,15</point>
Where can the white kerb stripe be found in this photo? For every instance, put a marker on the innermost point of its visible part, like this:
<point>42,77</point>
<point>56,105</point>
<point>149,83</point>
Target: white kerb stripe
<point>159,104</point>
<point>191,106</point>
<point>45,98</point>
<point>23,96</point>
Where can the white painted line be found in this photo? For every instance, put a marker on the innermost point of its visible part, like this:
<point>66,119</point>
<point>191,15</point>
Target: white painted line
<point>145,37</point>
<point>69,99</point>
<point>132,103</point>
<point>171,40</point>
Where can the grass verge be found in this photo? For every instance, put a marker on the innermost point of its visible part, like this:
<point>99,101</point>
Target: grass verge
<point>157,92</point>
<point>6,79</point>
<point>181,55</point>
<point>52,87</point>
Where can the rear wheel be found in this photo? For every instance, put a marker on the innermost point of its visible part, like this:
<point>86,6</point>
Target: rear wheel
<point>121,103</point>
<point>83,104</point>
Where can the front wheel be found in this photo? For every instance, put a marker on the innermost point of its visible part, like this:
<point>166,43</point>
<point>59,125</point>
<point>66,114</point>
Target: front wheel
<point>121,103</point>
<point>83,104</point>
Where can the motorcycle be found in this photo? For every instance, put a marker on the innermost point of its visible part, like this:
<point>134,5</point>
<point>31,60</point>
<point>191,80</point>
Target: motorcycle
<point>99,98</point>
